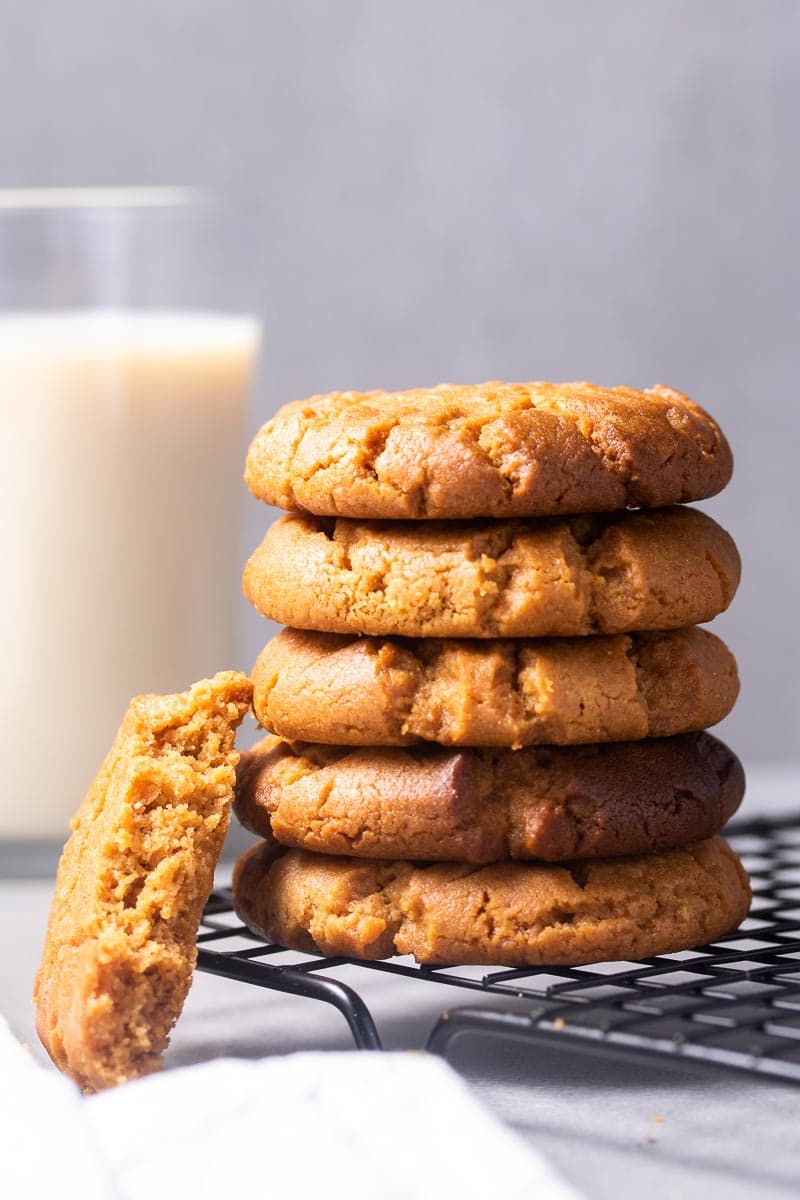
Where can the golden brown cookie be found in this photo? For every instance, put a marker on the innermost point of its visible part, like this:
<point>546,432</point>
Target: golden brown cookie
<point>505,914</point>
<point>431,803</point>
<point>134,876</point>
<point>492,450</point>
<point>323,687</point>
<point>549,577</point>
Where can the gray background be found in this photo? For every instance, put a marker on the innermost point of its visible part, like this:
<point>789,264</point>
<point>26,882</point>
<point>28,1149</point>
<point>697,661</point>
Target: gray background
<point>456,190</point>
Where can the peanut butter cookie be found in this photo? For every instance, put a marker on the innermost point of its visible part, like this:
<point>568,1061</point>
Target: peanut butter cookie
<point>432,803</point>
<point>323,687</point>
<point>638,570</point>
<point>134,876</point>
<point>505,914</point>
<point>492,450</point>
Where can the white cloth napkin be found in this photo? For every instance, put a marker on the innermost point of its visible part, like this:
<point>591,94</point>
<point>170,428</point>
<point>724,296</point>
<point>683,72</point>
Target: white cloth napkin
<point>356,1125</point>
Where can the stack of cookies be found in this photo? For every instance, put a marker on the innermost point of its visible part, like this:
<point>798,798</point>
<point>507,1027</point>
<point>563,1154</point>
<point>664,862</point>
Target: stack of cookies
<point>487,716</point>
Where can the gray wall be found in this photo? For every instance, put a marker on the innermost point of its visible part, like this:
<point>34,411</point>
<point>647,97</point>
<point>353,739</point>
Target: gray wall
<point>469,190</point>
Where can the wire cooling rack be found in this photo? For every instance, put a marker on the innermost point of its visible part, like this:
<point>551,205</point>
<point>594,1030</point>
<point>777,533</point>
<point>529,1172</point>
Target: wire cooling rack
<point>735,1003</point>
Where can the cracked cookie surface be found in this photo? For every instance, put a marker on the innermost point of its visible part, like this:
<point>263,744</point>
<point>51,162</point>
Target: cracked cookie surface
<point>340,690</point>
<point>489,450</point>
<point>642,570</point>
<point>133,878</point>
<point>433,803</point>
<point>505,914</point>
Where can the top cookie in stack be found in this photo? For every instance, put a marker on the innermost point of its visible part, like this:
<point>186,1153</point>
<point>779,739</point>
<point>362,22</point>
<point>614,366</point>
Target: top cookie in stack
<point>483,538</point>
<point>496,450</point>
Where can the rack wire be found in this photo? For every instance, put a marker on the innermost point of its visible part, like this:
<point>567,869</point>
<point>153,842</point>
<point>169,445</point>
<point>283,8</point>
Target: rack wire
<point>734,1003</point>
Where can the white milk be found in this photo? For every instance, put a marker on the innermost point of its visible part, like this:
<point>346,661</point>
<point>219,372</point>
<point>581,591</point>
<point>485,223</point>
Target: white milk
<point>122,449</point>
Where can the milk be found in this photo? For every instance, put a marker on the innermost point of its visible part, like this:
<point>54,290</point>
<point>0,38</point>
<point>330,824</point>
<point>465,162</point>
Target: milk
<point>121,452</point>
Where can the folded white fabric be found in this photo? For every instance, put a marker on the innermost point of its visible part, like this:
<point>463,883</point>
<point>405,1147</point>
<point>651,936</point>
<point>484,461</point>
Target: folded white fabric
<point>48,1145</point>
<point>328,1125</point>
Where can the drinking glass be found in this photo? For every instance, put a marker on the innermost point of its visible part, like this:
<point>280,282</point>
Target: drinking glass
<point>127,350</point>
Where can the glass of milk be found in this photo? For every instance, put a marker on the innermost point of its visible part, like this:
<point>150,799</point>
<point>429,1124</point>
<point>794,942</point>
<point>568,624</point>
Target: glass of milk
<point>127,351</point>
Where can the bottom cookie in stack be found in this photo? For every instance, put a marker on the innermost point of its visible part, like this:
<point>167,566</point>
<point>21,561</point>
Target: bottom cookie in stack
<point>504,914</point>
<point>625,861</point>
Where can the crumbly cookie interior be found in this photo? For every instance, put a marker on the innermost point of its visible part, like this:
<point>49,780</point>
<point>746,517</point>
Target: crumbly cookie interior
<point>133,879</point>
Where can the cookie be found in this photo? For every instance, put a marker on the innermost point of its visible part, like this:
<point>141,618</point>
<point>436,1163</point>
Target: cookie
<point>132,881</point>
<point>592,574</point>
<point>431,803</point>
<point>505,914</point>
<point>325,687</point>
<point>492,450</point>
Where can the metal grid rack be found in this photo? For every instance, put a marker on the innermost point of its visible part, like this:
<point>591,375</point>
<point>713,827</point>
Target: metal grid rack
<point>735,1003</point>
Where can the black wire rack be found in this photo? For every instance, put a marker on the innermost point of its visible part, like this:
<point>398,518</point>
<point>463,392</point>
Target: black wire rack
<point>735,1003</point>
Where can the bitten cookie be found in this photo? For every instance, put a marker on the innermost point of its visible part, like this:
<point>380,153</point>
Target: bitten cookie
<point>492,450</point>
<point>323,687</point>
<point>505,914</point>
<point>431,803</point>
<point>592,574</point>
<point>133,879</point>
